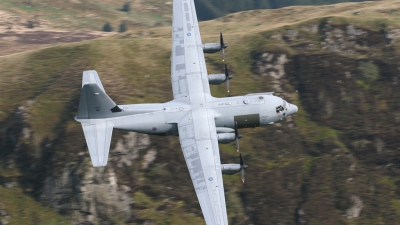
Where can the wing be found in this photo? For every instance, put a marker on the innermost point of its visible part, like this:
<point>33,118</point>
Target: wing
<point>197,131</point>
<point>198,137</point>
<point>188,68</point>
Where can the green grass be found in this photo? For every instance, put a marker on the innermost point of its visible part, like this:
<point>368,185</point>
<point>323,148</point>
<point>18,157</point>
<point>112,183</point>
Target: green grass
<point>24,210</point>
<point>309,162</point>
<point>396,205</point>
<point>173,213</point>
<point>312,131</point>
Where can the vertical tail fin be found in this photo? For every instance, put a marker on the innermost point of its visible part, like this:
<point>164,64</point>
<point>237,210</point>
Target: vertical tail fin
<point>94,102</point>
<point>91,77</point>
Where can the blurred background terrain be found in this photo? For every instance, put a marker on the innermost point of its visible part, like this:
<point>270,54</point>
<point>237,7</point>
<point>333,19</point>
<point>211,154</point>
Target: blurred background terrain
<point>334,162</point>
<point>209,9</point>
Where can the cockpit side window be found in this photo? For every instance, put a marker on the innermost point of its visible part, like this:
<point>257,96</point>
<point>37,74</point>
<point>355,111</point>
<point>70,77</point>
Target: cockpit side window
<point>282,107</point>
<point>279,109</point>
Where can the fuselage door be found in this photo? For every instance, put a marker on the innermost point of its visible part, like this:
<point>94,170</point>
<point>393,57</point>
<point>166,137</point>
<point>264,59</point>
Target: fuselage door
<point>251,120</point>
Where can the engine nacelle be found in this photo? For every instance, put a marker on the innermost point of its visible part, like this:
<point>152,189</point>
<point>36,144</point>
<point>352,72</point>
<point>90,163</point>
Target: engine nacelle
<point>226,138</point>
<point>231,168</point>
<point>216,78</point>
<point>224,130</point>
<point>211,47</point>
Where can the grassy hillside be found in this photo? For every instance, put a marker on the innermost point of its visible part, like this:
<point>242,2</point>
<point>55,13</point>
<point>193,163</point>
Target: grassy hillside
<point>208,9</point>
<point>93,15</point>
<point>19,209</point>
<point>85,14</point>
<point>335,162</point>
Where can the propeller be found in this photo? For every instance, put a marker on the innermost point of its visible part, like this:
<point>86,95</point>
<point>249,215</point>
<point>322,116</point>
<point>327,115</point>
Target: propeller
<point>223,46</point>
<point>237,137</point>
<point>227,78</point>
<point>242,166</point>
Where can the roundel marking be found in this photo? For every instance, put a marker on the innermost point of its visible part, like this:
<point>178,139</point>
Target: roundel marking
<point>189,34</point>
<point>154,128</point>
<point>210,179</point>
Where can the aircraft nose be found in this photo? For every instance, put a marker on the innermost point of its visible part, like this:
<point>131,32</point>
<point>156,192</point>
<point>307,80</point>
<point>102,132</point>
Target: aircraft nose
<point>293,109</point>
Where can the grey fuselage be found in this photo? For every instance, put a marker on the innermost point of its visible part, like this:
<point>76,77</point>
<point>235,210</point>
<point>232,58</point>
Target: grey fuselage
<point>250,110</point>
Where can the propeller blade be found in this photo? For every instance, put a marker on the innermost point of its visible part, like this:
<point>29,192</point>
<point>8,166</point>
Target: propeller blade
<point>237,137</point>
<point>227,78</point>
<point>221,41</point>
<point>228,84</point>
<point>241,166</point>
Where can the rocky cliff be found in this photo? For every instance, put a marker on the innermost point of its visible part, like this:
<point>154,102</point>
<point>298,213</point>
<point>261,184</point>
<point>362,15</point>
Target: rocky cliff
<point>335,162</point>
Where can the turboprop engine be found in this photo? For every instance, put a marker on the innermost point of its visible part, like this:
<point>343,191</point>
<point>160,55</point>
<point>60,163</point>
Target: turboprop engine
<point>211,47</point>
<point>226,138</point>
<point>220,78</point>
<point>216,47</point>
<point>216,78</point>
<point>227,135</point>
<point>230,169</point>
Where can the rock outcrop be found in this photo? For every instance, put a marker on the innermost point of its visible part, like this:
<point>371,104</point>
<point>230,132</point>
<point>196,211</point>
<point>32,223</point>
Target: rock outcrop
<point>92,195</point>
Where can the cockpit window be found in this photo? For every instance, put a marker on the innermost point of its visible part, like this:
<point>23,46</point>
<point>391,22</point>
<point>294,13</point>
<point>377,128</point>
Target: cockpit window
<point>279,109</point>
<point>282,107</point>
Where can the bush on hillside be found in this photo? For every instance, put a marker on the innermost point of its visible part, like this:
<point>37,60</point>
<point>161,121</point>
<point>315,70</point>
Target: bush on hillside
<point>369,71</point>
<point>122,27</point>
<point>126,7</point>
<point>30,24</point>
<point>107,27</point>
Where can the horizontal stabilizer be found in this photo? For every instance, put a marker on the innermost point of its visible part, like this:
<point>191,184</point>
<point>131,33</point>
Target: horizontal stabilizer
<point>98,139</point>
<point>91,77</point>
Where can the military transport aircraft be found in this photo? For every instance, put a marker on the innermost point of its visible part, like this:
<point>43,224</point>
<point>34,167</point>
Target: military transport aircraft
<point>200,120</point>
